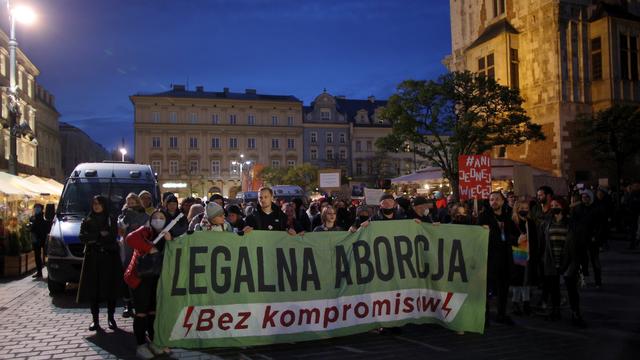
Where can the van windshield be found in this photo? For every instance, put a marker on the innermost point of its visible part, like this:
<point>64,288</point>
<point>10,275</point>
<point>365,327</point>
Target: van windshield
<point>77,195</point>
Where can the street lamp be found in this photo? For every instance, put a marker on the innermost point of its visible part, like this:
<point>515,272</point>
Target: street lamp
<point>241,163</point>
<point>24,15</point>
<point>123,151</point>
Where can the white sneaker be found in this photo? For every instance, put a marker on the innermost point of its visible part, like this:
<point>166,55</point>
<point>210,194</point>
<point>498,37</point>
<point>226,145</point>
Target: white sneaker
<point>158,350</point>
<point>143,352</point>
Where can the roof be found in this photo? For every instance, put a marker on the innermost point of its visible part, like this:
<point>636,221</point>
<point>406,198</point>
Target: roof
<point>114,170</point>
<point>612,10</point>
<point>492,31</point>
<point>179,91</point>
<point>350,107</point>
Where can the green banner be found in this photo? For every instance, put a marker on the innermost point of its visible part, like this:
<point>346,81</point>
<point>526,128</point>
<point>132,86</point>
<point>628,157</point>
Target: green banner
<point>220,289</point>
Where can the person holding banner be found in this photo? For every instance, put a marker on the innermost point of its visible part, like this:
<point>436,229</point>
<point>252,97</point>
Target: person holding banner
<point>420,210</point>
<point>214,219</point>
<point>266,216</point>
<point>561,258</point>
<point>502,235</point>
<point>144,287</point>
<point>329,218</point>
<point>525,258</point>
<point>363,215</point>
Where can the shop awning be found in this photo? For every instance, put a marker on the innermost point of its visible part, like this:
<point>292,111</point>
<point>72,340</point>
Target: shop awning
<point>42,186</point>
<point>420,176</point>
<point>14,186</point>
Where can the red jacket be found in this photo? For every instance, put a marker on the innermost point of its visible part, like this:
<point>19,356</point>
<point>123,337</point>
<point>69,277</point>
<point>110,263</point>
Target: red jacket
<point>141,242</point>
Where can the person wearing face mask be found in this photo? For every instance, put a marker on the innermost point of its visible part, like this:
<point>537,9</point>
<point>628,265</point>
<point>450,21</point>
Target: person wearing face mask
<point>363,214</point>
<point>525,257</point>
<point>101,274</point>
<point>502,235</point>
<point>587,220</point>
<point>419,210</point>
<point>39,229</point>
<point>561,258</point>
<point>459,215</point>
<point>144,288</point>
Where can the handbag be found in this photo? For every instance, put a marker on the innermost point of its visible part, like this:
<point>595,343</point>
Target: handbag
<point>150,265</point>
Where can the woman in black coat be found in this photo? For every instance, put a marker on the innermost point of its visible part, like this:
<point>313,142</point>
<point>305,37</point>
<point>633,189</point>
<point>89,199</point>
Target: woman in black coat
<point>526,258</point>
<point>102,276</point>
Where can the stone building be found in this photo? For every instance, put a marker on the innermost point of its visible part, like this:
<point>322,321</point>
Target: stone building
<point>77,147</point>
<point>566,57</point>
<point>327,140</point>
<point>195,139</point>
<point>37,111</point>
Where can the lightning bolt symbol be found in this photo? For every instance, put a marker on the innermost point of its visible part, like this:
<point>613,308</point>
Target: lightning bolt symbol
<point>187,324</point>
<point>445,305</point>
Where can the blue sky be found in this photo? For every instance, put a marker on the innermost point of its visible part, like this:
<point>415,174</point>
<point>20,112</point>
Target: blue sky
<point>93,54</point>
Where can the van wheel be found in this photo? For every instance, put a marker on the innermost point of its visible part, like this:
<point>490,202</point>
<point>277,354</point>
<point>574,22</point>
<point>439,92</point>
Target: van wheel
<point>55,287</point>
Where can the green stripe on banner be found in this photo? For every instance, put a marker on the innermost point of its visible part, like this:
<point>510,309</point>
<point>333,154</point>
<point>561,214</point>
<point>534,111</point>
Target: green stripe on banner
<point>221,290</point>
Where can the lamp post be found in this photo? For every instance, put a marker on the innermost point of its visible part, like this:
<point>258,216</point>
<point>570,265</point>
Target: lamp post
<point>123,151</point>
<point>27,16</point>
<point>241,163</point>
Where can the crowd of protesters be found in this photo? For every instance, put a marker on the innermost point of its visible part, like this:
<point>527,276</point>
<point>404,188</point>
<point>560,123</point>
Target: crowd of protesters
<point>535,244</point>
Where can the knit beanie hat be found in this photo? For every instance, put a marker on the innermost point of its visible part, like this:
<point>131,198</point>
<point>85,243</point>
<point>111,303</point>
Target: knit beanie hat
<point>214,210</point>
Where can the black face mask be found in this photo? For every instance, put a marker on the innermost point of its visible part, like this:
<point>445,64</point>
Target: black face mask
<point>387,211</point>
<point>363,218</point>
<point>523,213</point>
<point>556,211</point>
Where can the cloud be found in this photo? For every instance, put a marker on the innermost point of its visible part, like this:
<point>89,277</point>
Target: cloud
<point>108,52</point>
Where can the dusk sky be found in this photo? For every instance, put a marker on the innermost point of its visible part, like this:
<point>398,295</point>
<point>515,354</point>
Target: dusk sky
<point>94,54</point>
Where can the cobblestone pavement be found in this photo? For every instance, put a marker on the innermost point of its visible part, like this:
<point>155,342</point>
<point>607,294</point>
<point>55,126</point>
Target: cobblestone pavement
<point>36,326</point>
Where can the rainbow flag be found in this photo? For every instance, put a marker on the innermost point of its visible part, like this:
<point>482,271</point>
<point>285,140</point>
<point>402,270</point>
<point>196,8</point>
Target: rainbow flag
<point>521,254</point>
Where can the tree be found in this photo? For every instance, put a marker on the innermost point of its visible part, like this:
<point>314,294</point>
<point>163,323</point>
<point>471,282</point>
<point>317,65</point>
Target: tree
<point>459,114</point>
<point>305,176</point>
<point>613,135</point>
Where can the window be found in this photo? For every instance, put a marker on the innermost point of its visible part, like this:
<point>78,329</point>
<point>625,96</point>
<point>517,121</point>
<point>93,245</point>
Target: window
<point>30,88</point>
<point>596,58</point>
<point>155,117</point>
<point>215,167</point>
<point>275,143</point>
<point>343,138</point>
<point>155,165</point>
<point>215,143</point>
<point>291,143</point>
<point>313,154</point>
<point>498,7</point>
<point>486,66</point>
<point>193,143</point>
<point>3,65</point>
<point>232,119</point>
<point>215,119</point>
<point>329,138</point>
<point>358,168</point>
<point>274,120</point>
<point>343,154</point>
<point>314,137</point>
<point>155,142</point>
<point>291,163</point>
<point>515,72</point>
<point>369,146</point>
<point>275,163</point>
<point>193,117</point>
<point>624,57</point>
<point>173,142</point>
<point>233,143</point>
<point>358,146</point>
<point>502,152</point>
<point>19,75</point>
<point>325,114</point>
<point>251,143</point>
<point>633,59</point>
<point>251,120</point>
<point>329,154</point>
<point>173,167</point>
<point>173,117</point>
<point>193,167</point>
<point>290,121</point>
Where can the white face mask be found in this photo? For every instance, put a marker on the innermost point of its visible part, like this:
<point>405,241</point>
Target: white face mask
<point>157,224</point>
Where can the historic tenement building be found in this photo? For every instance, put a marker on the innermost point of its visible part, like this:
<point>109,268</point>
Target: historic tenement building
<point>78,147</point>
<point>195,139</point>
<point>566,57</point>
<point>37,111</point>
